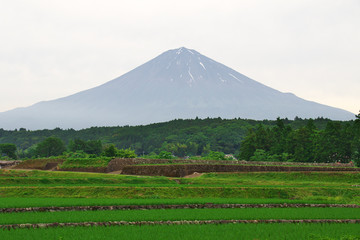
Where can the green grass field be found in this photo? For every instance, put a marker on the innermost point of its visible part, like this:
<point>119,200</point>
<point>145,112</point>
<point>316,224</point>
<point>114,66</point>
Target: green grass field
<point>184,232</point>
<point>180,214</point>
<point>85,162</point>
<point>46,188</point>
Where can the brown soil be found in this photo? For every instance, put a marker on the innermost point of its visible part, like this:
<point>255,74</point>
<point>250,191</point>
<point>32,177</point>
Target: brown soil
<point>39,164</point>
<point>115,172</point>
<point>15,169</point>
<point>195,174</point>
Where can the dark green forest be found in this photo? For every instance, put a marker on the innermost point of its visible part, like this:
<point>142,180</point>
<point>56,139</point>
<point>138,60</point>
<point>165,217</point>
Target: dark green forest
<point>337,142</point>
<point>318,139</point>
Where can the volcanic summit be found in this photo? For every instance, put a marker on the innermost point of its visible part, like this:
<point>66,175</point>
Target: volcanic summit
<point>179,83</point>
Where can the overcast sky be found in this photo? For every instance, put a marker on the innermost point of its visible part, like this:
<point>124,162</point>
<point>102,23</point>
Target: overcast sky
<point>51,49</point>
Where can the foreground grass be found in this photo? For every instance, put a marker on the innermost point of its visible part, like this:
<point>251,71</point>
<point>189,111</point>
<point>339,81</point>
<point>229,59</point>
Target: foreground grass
<point>46,178</point>
<point>344,179</point>
<point>180,214</point>
<point>256,179</point>
<point>183,232</point>
<point>346,195</point>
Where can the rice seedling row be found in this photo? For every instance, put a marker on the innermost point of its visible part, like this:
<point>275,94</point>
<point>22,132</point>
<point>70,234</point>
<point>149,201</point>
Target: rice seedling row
<point>182,232</point>
<point>180,214</point>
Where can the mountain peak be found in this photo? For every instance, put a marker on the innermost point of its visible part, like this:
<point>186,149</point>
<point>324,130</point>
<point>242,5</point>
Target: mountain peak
<point>183,50</point>
<point>180,83</point>
<point>192,69</point>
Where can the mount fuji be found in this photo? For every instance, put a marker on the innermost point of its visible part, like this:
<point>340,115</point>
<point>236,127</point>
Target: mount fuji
<point>179,83</point>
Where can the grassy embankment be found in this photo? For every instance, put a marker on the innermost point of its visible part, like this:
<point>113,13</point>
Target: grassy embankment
<point>338,187</point>
<point>99,162</point>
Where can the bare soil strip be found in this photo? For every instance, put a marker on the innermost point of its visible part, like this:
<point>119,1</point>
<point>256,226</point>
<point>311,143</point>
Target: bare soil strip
<point>181,222</point>
<point>172,206</point>
<point>195,174</point>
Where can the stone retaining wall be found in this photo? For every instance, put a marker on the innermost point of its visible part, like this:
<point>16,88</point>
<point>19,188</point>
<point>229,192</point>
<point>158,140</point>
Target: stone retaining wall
<point>118,164</point>
<point>180,222</point>
<point>88,169</point>
<point>183,170</point>
<point>173,206</point>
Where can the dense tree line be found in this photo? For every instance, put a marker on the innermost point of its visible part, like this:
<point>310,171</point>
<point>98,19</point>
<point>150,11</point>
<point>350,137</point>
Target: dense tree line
<point>179,137</point>
<point>337,142</point>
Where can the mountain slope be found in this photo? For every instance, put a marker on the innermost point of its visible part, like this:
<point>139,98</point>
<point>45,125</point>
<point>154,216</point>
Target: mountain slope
<point>179,83</point>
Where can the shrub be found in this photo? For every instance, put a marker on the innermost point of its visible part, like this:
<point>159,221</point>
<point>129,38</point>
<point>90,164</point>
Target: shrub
<point>126,153</point>
<point>356,158</point>
<point>110,151</point>
<point>165,155</point>
<point>259,155</point>
<point>216,156</point>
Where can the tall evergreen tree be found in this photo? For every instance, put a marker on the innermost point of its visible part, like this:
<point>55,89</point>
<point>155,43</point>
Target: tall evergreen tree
<point>51,146</point>
<point>8,149</point>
